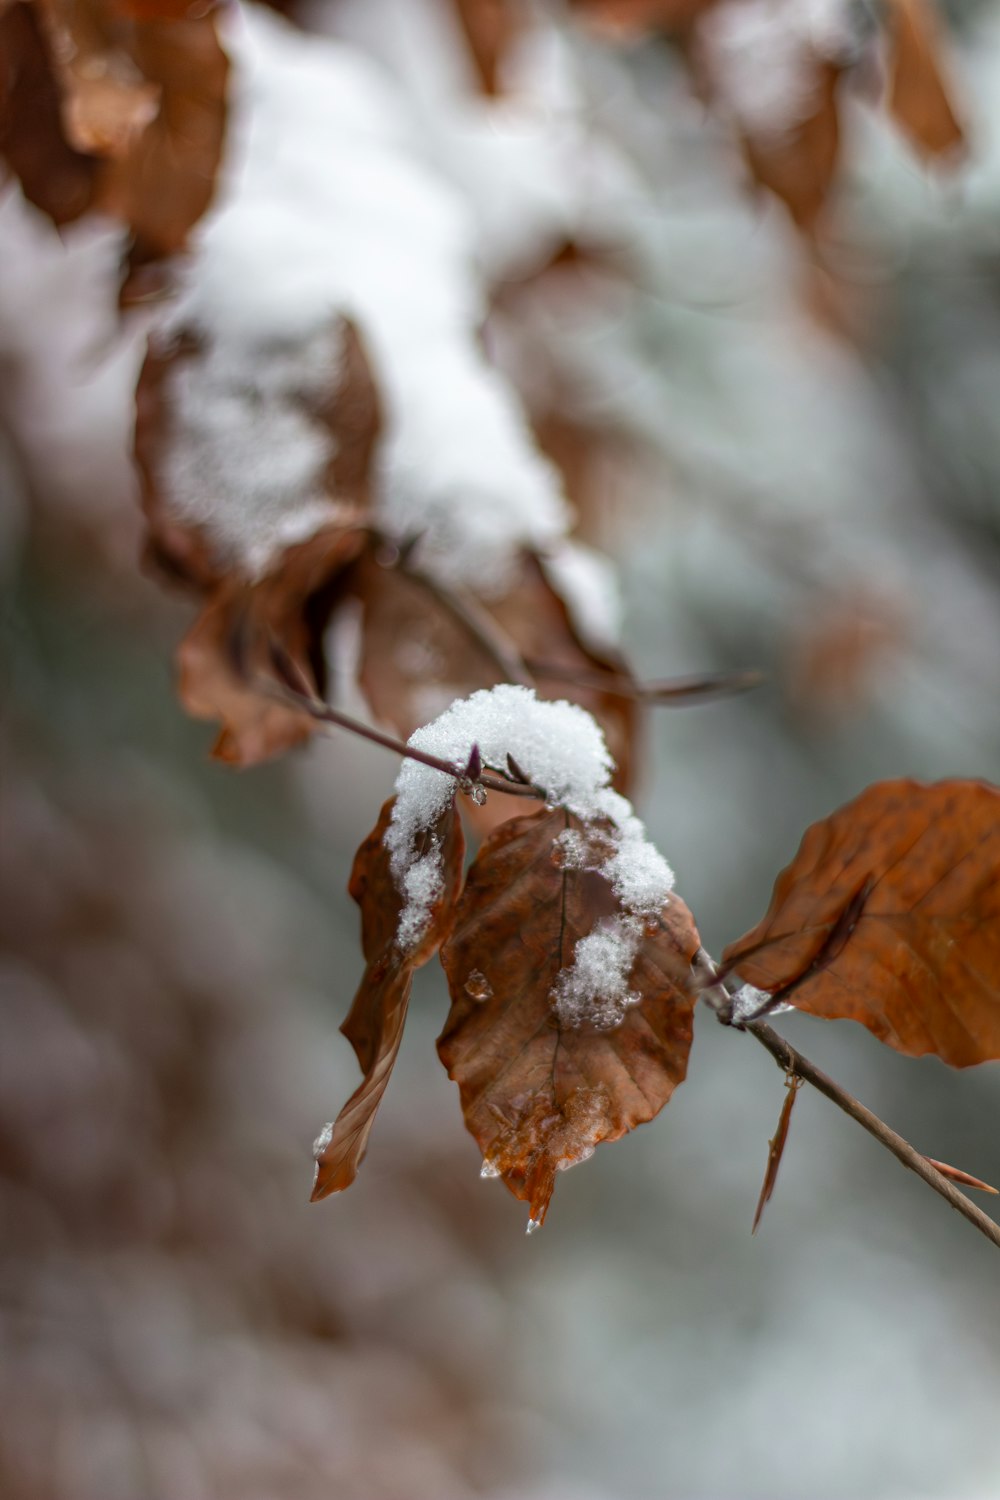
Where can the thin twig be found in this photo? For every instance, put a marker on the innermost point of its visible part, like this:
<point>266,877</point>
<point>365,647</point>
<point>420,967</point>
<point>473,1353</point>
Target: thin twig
<point>295,689</point>
<point>672,692</point>
<point>792,1061</point>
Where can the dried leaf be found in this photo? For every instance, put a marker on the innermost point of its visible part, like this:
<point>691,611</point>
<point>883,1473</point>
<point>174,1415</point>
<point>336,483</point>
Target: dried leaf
<point>226,662</point>
<point>374,1025</point>
<point>538,1096</point>
<point>920,965</point>
<point>224,537</point>
<point>163,183</point>
<point>415,657</point>
<point>799,167</point>
<point>918,96</point>
<point>54,176</point>
<point>118,106</point>
<point>490,27</point>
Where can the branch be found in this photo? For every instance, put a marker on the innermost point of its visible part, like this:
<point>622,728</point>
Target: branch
<point>672,692</point>
<point>792,1061</point>
<point>294,688</point>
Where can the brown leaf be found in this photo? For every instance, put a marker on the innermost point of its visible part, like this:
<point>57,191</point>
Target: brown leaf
<point>490,27</point>
<point>374,1025</point>
<point>118,106</point>
<point>416,659</point>
<point>918,96</point>
<point>54,176</point>
<point>163,183</point>
<point>227,661</point>
<point>538,1096</point>
<point>920,963</point>
<point>799,167</point>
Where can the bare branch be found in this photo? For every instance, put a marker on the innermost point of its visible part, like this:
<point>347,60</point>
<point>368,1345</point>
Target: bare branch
<point>792,1061</point>
<point>292,686</point>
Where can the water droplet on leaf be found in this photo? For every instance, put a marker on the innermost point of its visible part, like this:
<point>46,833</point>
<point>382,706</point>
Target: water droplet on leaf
<point>477,986</point>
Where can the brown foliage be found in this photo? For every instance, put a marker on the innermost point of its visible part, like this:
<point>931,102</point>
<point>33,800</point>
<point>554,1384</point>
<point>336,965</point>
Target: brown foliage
<point>919,101</point>
<point>226,662</point>
<point>416,657</point>
<point>117,106</point>
<point>54,175</point>
<point>374,1026</point>
<point>889,915</point>
<point>800,166</point>
<point>538,1096</point>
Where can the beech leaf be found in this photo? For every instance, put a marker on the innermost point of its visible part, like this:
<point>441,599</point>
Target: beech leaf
<point>374,1026</point>
<point>889,914</point>
<point>918,95</point>
<point>537,1095</point>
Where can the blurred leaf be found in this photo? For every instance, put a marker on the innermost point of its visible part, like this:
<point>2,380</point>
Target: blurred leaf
<point>374,1026</point>
<point>918,96</point>
<point>117,106</point>
<point>889,915</point>
<point>227,661</point>
<point>539,1096</point>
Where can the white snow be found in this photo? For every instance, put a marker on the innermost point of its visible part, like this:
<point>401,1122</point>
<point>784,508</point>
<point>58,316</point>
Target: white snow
<point>325,207</point>
<point>560,748</point>
<point>747,1003</point>
<point>763,58</point>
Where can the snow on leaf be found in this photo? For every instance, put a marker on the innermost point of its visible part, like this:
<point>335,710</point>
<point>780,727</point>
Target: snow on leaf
<point>415,658</point>
<point>255,480</point>
<point>375,1023</point>
<point>889,914</point>
<point>559,747</point>
<point>330,205</point>
<point>540,1091</point>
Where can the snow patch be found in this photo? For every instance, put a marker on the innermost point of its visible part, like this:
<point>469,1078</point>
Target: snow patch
<point>763,58</point>
<point>326,208</point>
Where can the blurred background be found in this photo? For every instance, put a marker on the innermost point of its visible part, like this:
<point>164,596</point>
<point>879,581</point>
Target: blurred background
<point>792,450</point>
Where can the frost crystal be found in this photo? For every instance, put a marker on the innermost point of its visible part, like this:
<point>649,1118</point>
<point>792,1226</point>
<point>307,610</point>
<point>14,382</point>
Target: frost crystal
<point>560,748</point>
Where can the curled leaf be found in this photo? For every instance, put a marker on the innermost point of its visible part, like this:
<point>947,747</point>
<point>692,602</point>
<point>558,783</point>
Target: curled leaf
<point>374,1026</point>
<point>262,512</point>
<point>539,1094</point>
<point>918,962</point>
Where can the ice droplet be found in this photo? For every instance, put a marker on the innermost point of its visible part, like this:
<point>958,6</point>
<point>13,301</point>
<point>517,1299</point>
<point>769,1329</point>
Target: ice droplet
<point>488,1169</point>
<point>477,986</point>
<point>323,1139</point>
<point>533,1224</point>
<point>478,793</point>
